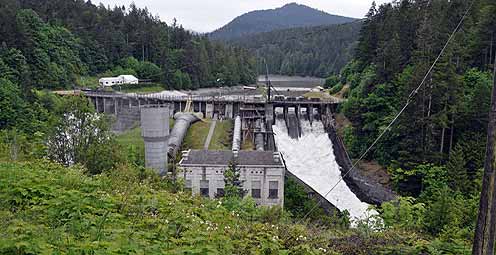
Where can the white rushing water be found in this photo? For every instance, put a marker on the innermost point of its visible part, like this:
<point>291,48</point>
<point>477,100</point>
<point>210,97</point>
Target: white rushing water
<point>311,158</point>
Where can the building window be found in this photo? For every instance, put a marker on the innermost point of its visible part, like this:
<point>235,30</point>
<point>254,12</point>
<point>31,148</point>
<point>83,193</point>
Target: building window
<point>219,193</point>
<point>256,189</point>
<point>273,189</point>
<point>204,191</point>
<point>188,186</point>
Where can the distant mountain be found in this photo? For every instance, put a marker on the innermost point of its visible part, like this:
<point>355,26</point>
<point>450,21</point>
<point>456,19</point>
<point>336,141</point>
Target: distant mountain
<point>306,51</point>
<point>289,16</point>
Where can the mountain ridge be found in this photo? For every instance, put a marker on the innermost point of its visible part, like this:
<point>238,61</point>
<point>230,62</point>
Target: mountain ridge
<point>292,15</point>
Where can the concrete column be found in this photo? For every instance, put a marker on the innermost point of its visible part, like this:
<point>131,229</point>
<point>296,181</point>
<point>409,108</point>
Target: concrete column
<point>104,105</point>
<point>269,121</point>
<point>155,132</point>
<point>116,106</point>
<point>210,110</point>
<point>171,110</point>
<point>97,107</point>
<point>269,113</point>
<point>229,111</point>
<point>310,116</point>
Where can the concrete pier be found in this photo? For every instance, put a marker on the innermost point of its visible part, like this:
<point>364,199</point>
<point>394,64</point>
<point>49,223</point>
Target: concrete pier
<point>155,132</point>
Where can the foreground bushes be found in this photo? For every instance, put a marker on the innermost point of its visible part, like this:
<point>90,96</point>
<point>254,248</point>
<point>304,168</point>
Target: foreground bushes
<point>46,208</point>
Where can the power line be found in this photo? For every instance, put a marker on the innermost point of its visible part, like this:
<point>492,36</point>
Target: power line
<point>409,100</point>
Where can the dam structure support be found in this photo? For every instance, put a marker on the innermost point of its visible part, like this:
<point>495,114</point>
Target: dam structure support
<point>303,137</point>
<point>155,132</point>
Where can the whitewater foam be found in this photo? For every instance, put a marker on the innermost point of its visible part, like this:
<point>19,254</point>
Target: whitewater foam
<point>311,158</point>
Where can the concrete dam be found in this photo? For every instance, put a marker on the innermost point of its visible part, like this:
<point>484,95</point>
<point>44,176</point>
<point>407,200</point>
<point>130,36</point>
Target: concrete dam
<point>301,131</point>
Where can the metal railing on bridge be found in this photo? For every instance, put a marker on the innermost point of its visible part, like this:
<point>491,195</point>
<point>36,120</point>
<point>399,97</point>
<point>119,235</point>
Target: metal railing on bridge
<point>226,98</point>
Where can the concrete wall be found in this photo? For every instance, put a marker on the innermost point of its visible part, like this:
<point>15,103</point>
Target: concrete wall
<point>249,174</point>
<point>155,132</point>
<point>128,116</point>
<point>365,189</point>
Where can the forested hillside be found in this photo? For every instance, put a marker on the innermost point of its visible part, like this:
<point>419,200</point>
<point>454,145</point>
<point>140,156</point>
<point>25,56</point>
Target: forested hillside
<point>312,51</point>
<point>50,43</point>
<point>292,15</point>
<point>435,151</point>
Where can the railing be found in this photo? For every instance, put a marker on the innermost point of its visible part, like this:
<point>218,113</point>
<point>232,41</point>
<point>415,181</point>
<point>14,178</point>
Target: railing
<point>232,98</point>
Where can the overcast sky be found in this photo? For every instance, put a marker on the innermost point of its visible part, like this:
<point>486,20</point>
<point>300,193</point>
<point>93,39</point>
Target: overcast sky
<point>208,15</point>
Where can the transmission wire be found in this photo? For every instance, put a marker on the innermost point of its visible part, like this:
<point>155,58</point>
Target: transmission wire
<point>409,100</point>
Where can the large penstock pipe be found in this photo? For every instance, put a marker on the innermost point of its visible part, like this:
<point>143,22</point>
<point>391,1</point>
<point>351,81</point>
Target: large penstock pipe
<point>236,145</point>
<point>181,125</point>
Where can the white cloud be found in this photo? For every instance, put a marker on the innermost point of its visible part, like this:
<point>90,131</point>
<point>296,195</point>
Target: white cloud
<point>208,15</point>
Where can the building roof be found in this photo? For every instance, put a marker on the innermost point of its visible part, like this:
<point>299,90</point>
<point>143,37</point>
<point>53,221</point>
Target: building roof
<point>218,158</point>
<point>128,77</point>
<point>109,79</point>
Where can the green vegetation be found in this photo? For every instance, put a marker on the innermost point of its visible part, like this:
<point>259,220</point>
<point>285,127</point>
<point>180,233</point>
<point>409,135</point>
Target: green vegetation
<point>234,184</point>
<point>222,138</point>
<point>122,211</point>
<point>435,151</point>
<point>152,88</point>
<point>90,82</point>
<point>298,204</point>
<point>247,145</point>
<point>290,15</point>
<point>196,136</point>
<point>50,44</point>
<point>100,199</point>
<point>321,95</point>
<point>132,210</point>
<point>133,145</point>
<point>331,81</point>
<point>310,51</point>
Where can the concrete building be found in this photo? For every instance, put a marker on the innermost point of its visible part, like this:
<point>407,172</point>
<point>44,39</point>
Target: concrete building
<point>119,80</point>
<point>262,173</point>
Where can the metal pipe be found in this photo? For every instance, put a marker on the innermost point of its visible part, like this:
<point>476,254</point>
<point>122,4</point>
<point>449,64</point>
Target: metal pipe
<point>181,125</point>
<point>237,134</point>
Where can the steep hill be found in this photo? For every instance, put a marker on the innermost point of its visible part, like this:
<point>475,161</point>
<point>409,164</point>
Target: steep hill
<point>289,16</point>
<point>310,51</point>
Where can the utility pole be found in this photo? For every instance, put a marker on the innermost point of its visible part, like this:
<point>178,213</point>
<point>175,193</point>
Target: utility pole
<point>485,232</point>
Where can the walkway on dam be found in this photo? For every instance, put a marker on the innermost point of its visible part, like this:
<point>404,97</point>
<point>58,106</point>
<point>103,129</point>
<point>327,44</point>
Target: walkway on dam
<point>210,132</point>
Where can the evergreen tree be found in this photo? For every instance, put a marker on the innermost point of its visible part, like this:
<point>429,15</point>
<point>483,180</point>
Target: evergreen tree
<point>457,173</point>
<point>233,183</point>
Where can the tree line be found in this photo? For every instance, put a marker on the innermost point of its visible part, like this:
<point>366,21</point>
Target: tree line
<point>435,151</point>
<point>50,43</point>
<point>318,51</point>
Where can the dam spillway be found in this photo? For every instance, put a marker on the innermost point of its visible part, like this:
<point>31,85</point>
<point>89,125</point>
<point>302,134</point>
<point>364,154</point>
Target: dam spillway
<point>311,159</point>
